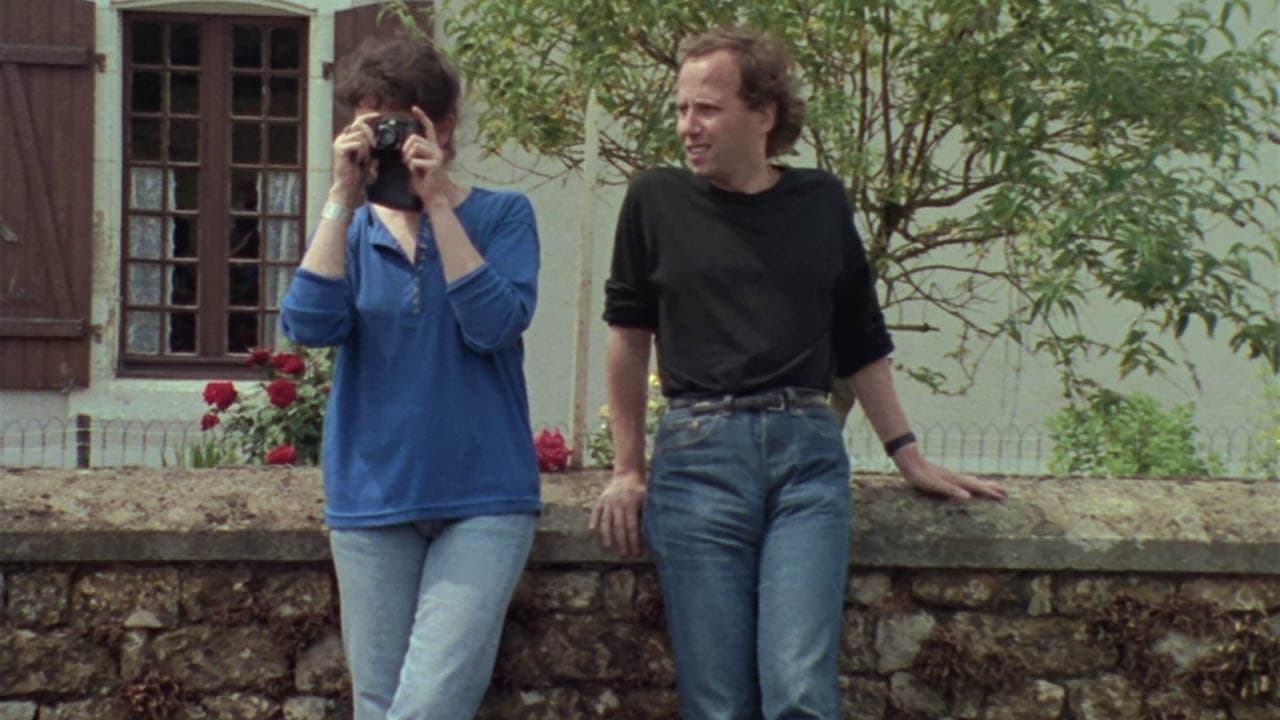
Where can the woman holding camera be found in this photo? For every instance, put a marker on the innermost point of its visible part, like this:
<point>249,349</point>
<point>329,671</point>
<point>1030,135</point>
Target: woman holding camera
<point>431,483</point>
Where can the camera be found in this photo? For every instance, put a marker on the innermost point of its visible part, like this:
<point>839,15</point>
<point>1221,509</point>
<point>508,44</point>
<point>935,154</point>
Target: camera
<point>389,133</point>
<point>392,187</point>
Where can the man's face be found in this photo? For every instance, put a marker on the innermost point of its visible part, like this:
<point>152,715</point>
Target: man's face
<point>724,140</point>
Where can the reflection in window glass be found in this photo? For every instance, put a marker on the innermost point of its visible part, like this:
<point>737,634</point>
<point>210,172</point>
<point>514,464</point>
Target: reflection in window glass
<point>246,47</point>
<point>144,236</point>
<point>184,93</point>
<point>282,239</point>
<point>244,238</point>
<point>184,45</point>
<point>146,190</point>
<point>284,192</point>
<point>242,332</point>
<point>144,284</point>
<point>184,141</point>
<point>182,285</point>
<point>148,43</point>
<point>284,49</point>
<point>282,144</point>
<point>182,332</point>
<point>242,285</point>
<point>185,188</point>
<point>246,143</point>
<point>144,139</point>
<point>143,334</point>
<point>284,97</point>
<point>246,95</point>
<point>146,92</point>
<point>244,190</point>
<point>183,235</point>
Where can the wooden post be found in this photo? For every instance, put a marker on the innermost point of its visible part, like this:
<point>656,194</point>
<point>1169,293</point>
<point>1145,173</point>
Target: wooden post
<point>586,261</point>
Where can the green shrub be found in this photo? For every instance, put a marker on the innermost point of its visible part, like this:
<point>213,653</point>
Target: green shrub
<point>1117,435</point>
<point>600,444</point>
<point>1263,459</point>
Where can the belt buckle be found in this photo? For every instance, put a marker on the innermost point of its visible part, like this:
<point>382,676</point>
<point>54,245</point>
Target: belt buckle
<point>777,402</point>
<point>701,407</point>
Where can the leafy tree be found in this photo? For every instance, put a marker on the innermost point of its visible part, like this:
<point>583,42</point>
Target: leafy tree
<point>995,150</point>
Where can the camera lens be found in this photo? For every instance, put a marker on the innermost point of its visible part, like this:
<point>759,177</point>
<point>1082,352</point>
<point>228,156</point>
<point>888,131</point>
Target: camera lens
<point>386,135</point>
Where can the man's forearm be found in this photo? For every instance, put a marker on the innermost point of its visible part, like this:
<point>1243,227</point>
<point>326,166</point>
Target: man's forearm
<point>626,382</point>
<point>873,385</point>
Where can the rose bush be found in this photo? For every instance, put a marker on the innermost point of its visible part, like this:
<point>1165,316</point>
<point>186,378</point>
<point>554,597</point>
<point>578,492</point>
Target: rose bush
<point>553,453</point>
<point>282,423</point>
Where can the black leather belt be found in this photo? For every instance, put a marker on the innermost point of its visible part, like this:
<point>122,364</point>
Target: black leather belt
<point>769,401</point>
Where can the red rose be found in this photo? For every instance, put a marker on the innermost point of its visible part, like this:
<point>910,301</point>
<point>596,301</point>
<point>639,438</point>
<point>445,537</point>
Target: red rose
<point>209,421</point>
<point>553,456</point>
<point>288,363</point>
<point>282,455</point>
<point>259,356</point>
<point>220,394</point>
<point>282,393</point>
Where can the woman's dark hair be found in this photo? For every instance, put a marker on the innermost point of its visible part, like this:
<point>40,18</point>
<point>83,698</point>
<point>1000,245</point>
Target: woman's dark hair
<point>766,70</point>
<point>398,73</point>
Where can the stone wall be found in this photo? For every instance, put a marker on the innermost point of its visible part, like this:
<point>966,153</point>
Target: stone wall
<point>209,595</point>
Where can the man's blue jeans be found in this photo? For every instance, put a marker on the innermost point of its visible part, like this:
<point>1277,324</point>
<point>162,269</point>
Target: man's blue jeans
<point>747,517</point>
<point>422,611</point>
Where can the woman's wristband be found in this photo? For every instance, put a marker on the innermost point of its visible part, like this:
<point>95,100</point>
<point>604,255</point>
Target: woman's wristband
<point>899,442</point>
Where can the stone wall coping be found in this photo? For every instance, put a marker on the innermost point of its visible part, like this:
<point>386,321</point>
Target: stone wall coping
<point>274,514</point>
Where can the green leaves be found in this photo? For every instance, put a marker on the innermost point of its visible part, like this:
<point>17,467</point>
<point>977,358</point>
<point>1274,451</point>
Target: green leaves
<point>1052,156</point>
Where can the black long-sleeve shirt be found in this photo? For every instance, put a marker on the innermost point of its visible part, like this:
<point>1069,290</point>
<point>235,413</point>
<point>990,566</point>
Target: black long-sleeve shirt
<point>745,292</point>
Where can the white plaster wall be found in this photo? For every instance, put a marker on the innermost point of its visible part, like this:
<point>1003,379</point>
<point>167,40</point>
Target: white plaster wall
<point>1012,388</point>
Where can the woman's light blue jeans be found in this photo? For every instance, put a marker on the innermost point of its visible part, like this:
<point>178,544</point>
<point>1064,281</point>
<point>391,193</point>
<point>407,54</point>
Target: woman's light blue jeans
<point>422,611</point>
<point>747,517</point>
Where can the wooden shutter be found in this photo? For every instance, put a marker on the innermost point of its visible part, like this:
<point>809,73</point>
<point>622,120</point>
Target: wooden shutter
<point>350,27</point>
<point>46,207</point>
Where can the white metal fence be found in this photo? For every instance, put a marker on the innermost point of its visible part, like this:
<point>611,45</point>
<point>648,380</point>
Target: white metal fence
<point>85,442</point>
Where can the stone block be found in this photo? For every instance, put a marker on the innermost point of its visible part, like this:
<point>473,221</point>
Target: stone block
<point>1040,596</point>
<point>298,594</point>
<point>95,709</point>
<point>1044,647</point>
<point>1108,697</point>
<point>61,662</point>
<point>134,648</point>
<point>578,648</point>
<point>898,640</point>
<point>38,599</point>
<point>241,706</point>
<point>216,595</point>
<point>955,589</point>
<point>1082,595</point>
<point>909,694</point>
<point>546,592</point>
<point>619,594</point>
<point>322,668</point>
<point>17,711</point>
<point>559,704</point>
<point>1036,700</point>
<point>869,588</point>
<point>309,708</point>
<point>863,698</point>
<point>1184,650</point>
<point>1260,594</point>
<point>115,596</point>
<point>205,658</point>
<point>858,650</point>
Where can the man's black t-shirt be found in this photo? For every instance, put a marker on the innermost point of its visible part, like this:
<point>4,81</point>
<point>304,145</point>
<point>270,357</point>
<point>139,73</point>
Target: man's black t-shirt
<point>745,292</point>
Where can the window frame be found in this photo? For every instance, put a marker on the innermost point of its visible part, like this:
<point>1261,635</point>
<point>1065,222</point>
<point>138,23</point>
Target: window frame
<point>213,217</point>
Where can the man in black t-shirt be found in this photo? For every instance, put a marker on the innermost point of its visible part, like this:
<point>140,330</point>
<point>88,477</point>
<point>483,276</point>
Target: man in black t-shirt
<point>755,286</point>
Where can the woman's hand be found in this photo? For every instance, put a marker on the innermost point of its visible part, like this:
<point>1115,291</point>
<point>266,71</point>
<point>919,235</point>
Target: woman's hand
<point>426,162</point>
<point>351,161</point>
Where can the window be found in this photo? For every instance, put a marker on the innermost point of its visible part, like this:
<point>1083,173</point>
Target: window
<point>213,186</point>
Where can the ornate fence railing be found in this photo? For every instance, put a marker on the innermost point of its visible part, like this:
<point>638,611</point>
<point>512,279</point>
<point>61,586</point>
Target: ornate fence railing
<point>84,441</point>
